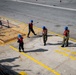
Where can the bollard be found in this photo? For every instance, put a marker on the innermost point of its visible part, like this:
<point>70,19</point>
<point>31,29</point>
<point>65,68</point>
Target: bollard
<point>60,0</point>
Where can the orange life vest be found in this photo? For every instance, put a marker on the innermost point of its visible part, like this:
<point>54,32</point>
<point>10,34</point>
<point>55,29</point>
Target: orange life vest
<point>30,25</point>
<point>44,32</point>
<point>66,33</point>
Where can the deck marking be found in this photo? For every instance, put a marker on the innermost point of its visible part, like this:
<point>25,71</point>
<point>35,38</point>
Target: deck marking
<point>36,61</point>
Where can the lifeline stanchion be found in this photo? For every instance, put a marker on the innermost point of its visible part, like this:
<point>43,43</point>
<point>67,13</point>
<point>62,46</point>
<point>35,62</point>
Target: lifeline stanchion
<point>8,24</point>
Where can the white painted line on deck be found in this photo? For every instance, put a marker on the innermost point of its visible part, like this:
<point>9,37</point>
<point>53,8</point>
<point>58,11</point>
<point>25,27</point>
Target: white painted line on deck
<point>71,9</point>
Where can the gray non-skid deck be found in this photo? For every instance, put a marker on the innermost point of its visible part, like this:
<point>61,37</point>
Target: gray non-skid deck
<point>39,59</point>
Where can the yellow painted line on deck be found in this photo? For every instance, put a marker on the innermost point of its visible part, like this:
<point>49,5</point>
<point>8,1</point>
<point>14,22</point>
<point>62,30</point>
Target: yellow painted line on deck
<point>74,40</point>
<point>74,52</point>
<point>65,54</point>
<point>23,73</point>
<point>65,49</point>
<point>36,61</point>
<point>72,57</point>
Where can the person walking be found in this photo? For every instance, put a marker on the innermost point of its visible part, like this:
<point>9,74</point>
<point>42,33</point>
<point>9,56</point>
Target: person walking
<point>44,34</point>
<point>65,37</point>
<point>30,27</point>
<point>21,43</point>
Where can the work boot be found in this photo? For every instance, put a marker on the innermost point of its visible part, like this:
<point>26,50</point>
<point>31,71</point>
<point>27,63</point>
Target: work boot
<point>44,44</point>
<point>23,50</point>
<point>19,50</point>
<point>35,34</point>
<point>28,36</point>
<point>66,45</point>
<point>62,46</point>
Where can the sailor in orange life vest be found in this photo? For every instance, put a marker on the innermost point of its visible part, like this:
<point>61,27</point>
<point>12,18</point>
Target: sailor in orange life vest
<point>65,37</point>
<point>21,43</point>
<point>31,29</point>
<point>44,34</point>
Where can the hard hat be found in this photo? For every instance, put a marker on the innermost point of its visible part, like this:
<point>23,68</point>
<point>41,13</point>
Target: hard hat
<point>19,35</point>
<point>31,20</point>
<point>66,28</point>
<point>43,27</point>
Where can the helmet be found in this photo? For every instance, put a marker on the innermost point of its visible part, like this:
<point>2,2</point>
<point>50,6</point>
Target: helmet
<point>31,20</point>
<point>43,27</point>
<point>66,28</point>
<point>19,35</point>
